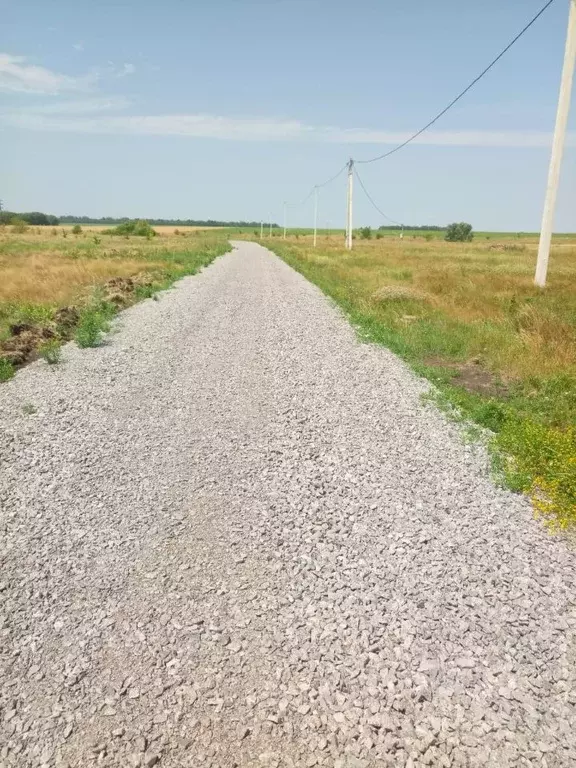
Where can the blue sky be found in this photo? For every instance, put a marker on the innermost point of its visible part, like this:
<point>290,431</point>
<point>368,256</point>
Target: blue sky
<point>225,108</point>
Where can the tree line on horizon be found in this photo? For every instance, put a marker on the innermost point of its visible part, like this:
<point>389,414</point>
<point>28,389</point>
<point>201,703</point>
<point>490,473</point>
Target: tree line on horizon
<point>39,219</point>
<point>160,222</point>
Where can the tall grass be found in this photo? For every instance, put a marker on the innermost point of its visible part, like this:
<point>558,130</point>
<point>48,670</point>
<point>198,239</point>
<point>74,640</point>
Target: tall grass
<point>442,306</point>
<point>40,273</point>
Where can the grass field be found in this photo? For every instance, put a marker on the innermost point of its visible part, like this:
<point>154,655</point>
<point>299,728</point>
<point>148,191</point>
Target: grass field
<point>468,317</point>
<point>56,285</point>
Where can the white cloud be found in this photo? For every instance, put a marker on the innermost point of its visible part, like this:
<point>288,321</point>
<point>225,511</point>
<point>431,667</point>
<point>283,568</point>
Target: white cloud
<point>18,76</point>
<point>127,69</point>
<point>78,46</point>
<point>73,107</point>
<point>71,117</point>
<point>197,126</point>
<point>86,116</point>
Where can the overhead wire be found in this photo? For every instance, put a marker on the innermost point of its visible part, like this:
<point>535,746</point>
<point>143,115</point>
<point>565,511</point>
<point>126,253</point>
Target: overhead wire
<point>462,93</point>
<point>428,125</point>
<point>318,186</point>
<point>370,198</point>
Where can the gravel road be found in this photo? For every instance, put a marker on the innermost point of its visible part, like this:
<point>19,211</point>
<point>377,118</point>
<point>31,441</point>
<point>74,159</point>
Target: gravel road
<point>234,536</point>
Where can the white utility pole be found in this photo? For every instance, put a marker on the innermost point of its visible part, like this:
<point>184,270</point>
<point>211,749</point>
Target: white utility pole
<point>557,150</point>
<point>261,230</point>
<point>284,235</point>
<point>270,225</point>
<point>349,206</point>
<point>315,214</point>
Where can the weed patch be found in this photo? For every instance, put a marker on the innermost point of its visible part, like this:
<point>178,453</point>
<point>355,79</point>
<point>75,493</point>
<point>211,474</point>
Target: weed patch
<point>51,351</point>
<point>6,369</point>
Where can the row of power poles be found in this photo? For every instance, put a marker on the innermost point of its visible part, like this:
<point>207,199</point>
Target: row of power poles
<point>553,173</point>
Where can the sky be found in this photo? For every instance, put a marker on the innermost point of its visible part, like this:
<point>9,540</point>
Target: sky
<point>224,109</point>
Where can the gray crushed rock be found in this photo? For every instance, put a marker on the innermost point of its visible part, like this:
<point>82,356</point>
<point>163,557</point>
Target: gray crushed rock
<point>235,536</point>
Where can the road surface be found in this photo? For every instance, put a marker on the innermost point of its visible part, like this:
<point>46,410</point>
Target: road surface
<point>233,535</point>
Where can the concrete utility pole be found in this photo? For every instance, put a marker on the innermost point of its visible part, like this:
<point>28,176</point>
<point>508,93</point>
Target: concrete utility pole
<point>261,230</point>
<point>315,214</point>
<point>270,226</point>
<point>557,150</point>
<point>349,206</point>
<point>285,206</point>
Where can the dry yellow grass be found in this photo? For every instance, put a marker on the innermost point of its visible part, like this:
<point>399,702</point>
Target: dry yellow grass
<point>469,317</point>
<point>45,268</point>
<point>484,287</point>
<point>160,229</point>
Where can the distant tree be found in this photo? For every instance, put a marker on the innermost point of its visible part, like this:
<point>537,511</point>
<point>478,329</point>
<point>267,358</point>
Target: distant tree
<point>36,218</point>
<point>76,229</point>
<point>366,233</point>
<point>460,232</point>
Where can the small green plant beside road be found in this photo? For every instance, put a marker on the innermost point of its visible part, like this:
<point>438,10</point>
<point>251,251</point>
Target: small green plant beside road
<point>6,369</point>
<point>93,324</point>
<point>51,351</point>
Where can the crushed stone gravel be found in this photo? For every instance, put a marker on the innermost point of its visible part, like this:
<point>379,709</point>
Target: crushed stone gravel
<point>233,535</point>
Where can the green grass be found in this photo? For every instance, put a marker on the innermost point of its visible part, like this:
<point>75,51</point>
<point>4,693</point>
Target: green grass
<point>51,351</point>
<point>94,322</point>
<point>42,273</point>
<point>6,369</point>
<point>446,305</point>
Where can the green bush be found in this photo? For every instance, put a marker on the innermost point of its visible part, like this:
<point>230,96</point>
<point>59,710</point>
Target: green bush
<point>92,324</point>
<point>76,229</point>
<point>366,233</point>
<point>459,232</point>
<point>51,351</point>
<point>19,226</point>
<point>140,228</point>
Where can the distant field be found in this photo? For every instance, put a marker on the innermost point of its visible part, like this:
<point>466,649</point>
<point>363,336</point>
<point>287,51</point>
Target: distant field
<point>469,317</point>
<point>161,230</point>
<point>47,269</point>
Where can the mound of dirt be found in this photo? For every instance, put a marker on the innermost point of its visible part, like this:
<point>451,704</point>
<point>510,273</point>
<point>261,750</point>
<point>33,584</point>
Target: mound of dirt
<point>66,320</point>
<point>120,290</point>
<point>22,346</point>
<point>25,338</point>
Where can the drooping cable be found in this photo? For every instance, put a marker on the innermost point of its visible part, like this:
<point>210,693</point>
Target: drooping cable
<point>370,198</point>
<point>462,93</point>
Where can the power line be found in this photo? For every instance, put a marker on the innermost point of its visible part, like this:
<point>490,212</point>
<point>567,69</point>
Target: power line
<point>369,196</point>
<point>464,92</point>
<point>333,178</point>
<point>318,186</point>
